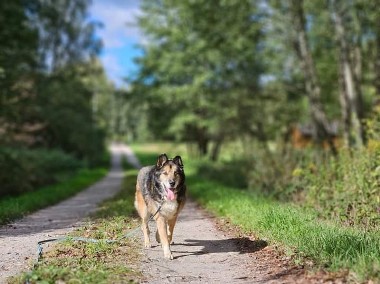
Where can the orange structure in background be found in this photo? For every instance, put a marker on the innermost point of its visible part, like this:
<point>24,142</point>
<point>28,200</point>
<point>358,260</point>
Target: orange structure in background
<point>301,136</point>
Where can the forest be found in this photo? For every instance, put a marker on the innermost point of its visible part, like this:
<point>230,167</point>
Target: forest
<point>279,98</point>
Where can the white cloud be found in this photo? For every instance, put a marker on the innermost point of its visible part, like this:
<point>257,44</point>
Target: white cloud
<point>119,20</point>
<point>114,69</point>
<point>119,34</point>
<point>111,63</point>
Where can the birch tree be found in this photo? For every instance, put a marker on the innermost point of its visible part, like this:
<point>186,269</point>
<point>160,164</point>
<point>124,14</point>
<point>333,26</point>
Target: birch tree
<point>350,93</point>
<point>313,88</point>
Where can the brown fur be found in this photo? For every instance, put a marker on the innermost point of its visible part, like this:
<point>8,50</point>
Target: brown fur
<point>161,191</point>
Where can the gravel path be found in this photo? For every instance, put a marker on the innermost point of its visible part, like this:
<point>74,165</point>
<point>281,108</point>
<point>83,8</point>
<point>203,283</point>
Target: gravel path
<point>204,254</point>
<point>18,241</point>
<point>201,254</point>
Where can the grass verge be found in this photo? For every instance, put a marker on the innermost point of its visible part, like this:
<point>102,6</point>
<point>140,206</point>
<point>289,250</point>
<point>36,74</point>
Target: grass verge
<point>301,233</point>
<point>78,262</point>
<point>12,208</point>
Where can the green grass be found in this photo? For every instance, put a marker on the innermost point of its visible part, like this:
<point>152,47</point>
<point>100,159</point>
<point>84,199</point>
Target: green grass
<point>296,230</point>
<point>78,262</point>
<point>12,208</point>
<point>299,231</point>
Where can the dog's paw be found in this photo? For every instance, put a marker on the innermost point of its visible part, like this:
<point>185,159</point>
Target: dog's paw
<point>147,245</point>
<point>167,252</point>
<point>168,255</point>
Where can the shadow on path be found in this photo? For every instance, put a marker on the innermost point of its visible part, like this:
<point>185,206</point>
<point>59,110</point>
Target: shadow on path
<point>237,245</point>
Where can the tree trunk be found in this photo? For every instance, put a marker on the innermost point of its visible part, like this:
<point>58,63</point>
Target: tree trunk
<point>377,58</point>
<point>313,89</point>
<point>345,106</point>
<point>202,142</point>
<point>353,100</point>
<point>216,149</point>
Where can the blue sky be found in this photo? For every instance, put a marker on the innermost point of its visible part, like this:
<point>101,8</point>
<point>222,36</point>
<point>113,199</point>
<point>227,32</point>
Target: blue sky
<point>119,34</point>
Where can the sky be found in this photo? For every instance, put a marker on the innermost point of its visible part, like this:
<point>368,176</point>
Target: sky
<point>119,35</point>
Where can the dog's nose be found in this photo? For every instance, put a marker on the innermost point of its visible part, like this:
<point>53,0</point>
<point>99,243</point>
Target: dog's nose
<point>172,183</point>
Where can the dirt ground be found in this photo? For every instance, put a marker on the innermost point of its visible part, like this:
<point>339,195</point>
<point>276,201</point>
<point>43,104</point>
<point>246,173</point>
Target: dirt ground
<point>202,252</point>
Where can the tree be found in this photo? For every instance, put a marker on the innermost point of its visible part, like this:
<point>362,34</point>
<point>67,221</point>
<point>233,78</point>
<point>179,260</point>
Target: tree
<point>18,59</point>
<point>202,68</point>
<point>351,97</point>
<point>65,109</point>
<point>313,88</point>
<point>65,34</point>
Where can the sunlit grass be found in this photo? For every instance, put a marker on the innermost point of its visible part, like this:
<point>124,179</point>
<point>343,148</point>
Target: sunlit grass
<point>300,232</point>
<point>15,207</point>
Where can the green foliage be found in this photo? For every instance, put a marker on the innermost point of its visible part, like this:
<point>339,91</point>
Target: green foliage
<point>298,230</point>
<point>200,70</point>
<point>16,207</point>
<point>231,173</point>
<point>65,36</point>
<point>18,54</point>
<point>45,93</point>
<point>24,170</point>
<point>343,189</point>
<point>346,189</point>
<point>65,108</point>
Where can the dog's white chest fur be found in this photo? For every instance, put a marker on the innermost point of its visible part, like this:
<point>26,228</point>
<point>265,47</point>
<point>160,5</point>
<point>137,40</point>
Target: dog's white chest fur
<point>169,209</point>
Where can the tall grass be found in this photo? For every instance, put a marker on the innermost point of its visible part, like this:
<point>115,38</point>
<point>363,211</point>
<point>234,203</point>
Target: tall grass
<point>328,244</point>
<point>346,189</point>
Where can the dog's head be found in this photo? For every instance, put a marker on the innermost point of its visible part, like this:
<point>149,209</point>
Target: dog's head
<point>170,176</point>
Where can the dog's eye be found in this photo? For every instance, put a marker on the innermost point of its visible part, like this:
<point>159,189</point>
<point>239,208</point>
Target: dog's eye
<point>165,173</point>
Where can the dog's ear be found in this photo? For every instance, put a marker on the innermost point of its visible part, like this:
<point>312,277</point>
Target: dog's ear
<point>178,161</point>
<point>162,159</point>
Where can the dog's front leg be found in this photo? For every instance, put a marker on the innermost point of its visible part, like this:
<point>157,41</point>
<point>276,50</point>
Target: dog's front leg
<point>171,224</point>
<point>162,231</point>
<point>145,229</point>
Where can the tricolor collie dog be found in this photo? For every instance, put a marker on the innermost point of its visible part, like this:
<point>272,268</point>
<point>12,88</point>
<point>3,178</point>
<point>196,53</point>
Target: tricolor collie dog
<point>161,193</point>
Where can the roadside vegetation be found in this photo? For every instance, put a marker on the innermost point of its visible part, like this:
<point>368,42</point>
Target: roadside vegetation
<point>102,262</point>
<point>292,217</point>
<point>13,207</point>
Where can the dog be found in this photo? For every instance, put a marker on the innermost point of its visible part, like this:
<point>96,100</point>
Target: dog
<point>161,193</point>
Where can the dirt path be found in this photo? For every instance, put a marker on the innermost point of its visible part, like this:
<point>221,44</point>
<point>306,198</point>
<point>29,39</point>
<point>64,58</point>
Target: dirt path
<point>204,254</point>
<point>18,241</point>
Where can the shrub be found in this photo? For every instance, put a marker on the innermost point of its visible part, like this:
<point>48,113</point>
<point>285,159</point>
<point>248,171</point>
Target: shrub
<point>344,188</point>
<point>24,169</point>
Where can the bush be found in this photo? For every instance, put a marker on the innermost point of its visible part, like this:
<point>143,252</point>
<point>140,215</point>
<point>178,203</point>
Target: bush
<point>24,170</point>
<point>344,188</point>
